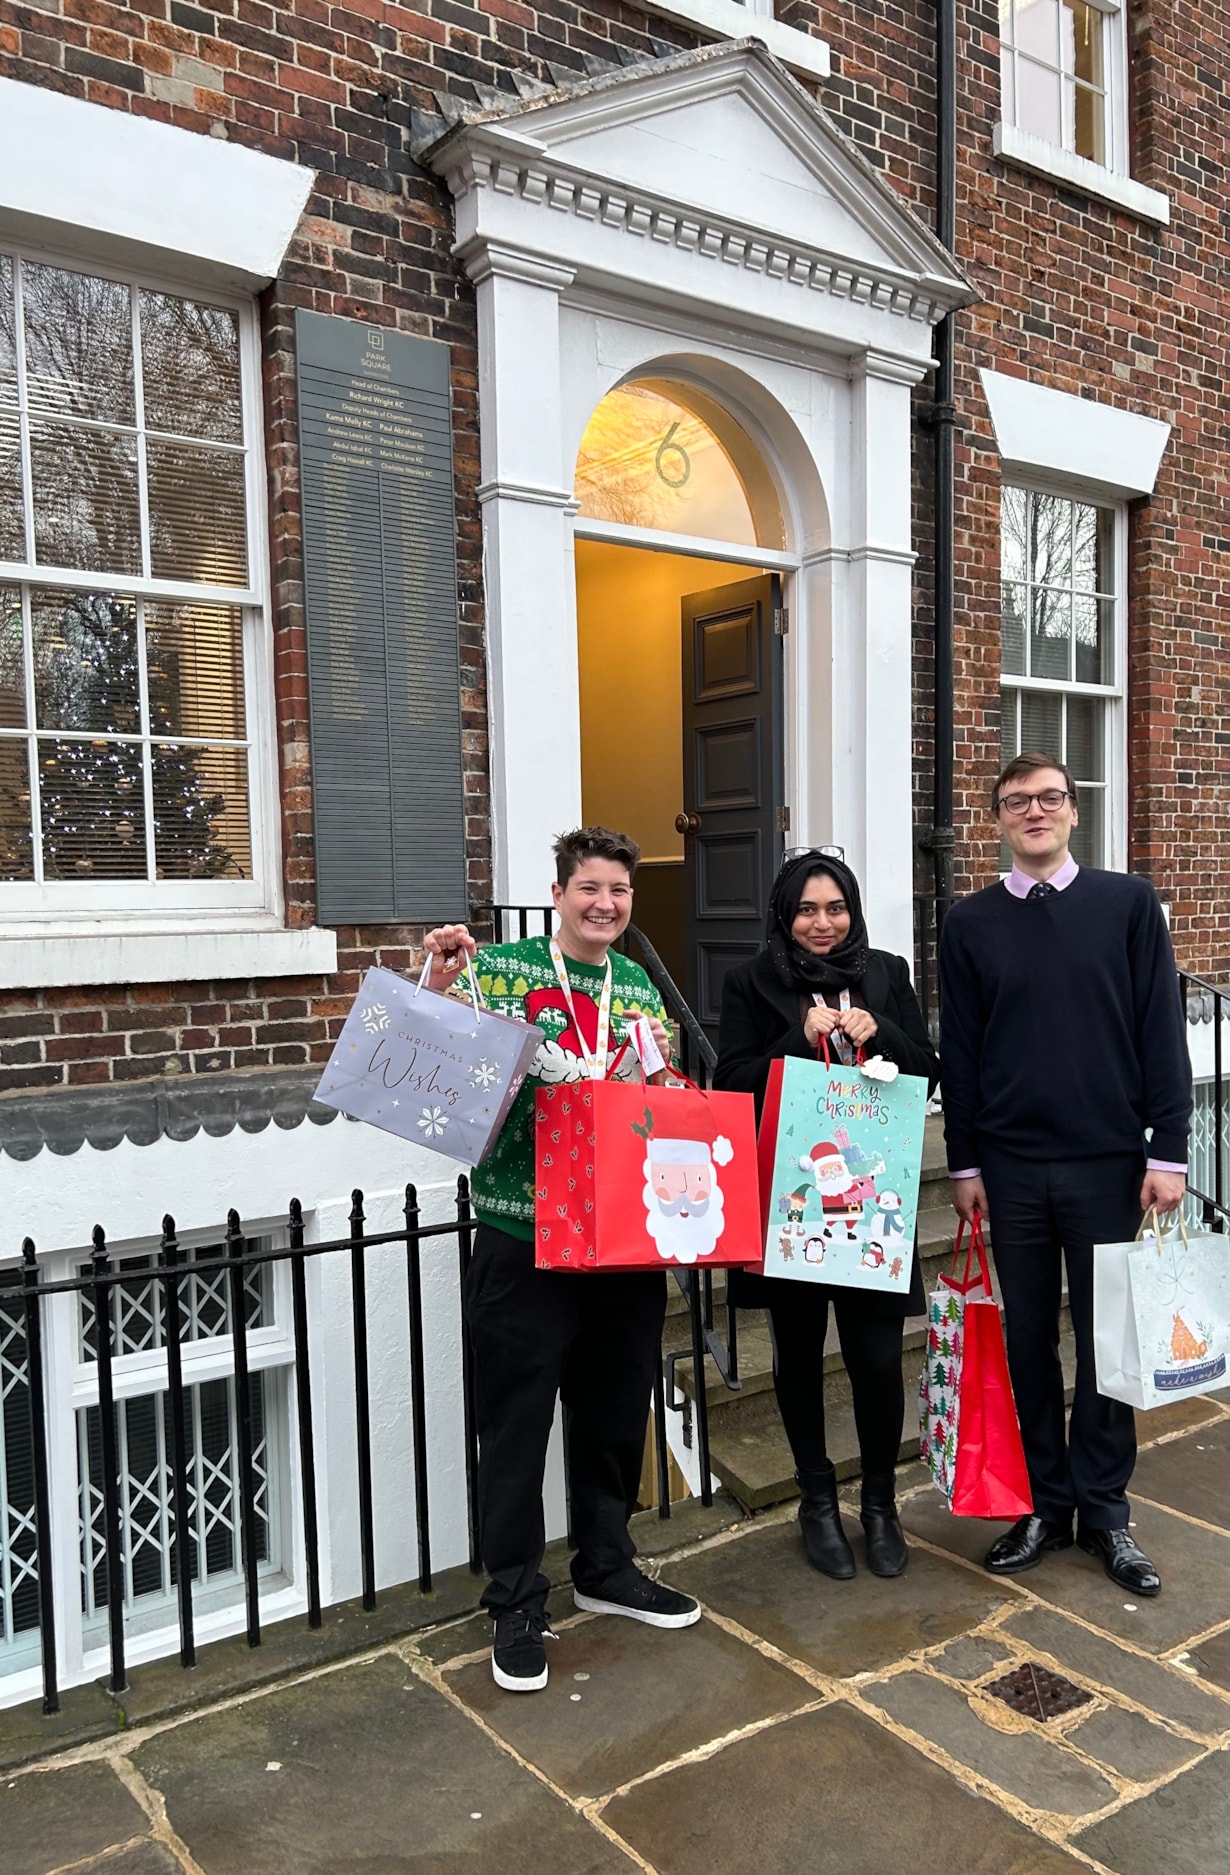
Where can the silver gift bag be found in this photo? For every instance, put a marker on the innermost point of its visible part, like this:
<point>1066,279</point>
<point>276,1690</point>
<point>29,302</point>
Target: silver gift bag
<point>441,1073</point>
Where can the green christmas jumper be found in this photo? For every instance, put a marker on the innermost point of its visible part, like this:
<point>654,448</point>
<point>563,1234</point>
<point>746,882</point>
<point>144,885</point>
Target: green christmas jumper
<point>520,980</point>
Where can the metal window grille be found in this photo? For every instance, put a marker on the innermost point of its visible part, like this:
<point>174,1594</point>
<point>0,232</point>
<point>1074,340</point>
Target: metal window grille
<point>137,1324</point>
<point>147,1517</point>
<point>18,1557</point>
<point>1202,1151</point>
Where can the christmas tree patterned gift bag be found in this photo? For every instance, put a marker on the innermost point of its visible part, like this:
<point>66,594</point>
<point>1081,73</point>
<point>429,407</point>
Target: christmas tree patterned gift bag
<point>969,1438</point>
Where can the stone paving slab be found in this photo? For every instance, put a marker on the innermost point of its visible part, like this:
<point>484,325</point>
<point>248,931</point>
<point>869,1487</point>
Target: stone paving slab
<point>27,1732</point>
<point>971,1658</point>
<point>1180,1829</point>
<point>1194,1564</point>
<point>765,1583</point>
<point>803,1796</point>
<point>49,1818</point>
<point>378,1774</point>
<point>1211,1659</point>
<point>1179,1416</point>
<point>144,1858</point>
<point>1023,1761</point>
<point>1096,1660</point>
<point>1191,1474</point>
<point>623,1698</point>
<point>1130,1744</point>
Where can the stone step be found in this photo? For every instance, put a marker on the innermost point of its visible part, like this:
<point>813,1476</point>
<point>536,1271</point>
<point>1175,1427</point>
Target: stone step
<point>749,1453</point>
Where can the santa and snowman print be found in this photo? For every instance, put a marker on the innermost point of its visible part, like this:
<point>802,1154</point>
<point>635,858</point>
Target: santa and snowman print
<point>853,1211</point>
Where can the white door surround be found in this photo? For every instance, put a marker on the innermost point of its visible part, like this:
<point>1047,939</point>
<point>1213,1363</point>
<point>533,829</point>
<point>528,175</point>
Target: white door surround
<point>701,218</point>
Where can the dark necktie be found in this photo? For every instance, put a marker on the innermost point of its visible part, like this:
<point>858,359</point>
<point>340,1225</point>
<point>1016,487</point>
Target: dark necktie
<point>1041,890</point>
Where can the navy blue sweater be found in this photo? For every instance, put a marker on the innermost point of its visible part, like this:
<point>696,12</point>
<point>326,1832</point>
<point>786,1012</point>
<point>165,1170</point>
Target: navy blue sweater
<point>1062,1031</point>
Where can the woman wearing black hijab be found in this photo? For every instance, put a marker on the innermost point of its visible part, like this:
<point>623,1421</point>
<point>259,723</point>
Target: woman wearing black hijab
<point>818,978</point>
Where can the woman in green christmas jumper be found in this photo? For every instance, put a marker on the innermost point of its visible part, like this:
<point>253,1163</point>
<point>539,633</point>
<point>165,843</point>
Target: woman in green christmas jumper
<point>593,1341</point>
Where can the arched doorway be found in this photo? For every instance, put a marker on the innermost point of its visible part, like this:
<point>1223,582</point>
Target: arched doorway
<point>681,566</point>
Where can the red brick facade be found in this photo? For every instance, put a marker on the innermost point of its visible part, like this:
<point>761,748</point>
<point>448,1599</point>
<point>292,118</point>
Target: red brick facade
<point>1078,294</point>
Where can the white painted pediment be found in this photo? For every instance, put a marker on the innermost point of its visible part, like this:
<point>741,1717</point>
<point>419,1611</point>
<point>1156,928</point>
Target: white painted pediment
<point>724,135</point>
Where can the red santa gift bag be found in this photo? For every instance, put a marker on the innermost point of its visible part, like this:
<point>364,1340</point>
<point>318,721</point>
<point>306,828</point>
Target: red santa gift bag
<point>637,1177</point>
<point>970,1440</point>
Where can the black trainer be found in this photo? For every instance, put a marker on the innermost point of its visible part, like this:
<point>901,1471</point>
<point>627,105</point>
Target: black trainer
<point>519,1656</point>
<point>641,1599</point>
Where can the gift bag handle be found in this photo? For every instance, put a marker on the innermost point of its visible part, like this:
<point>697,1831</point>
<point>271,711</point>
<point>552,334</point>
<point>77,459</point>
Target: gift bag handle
<point>822,1048</point>
<point>475,993</point>
<point>676,1074</point>
<point>977,1246</point>
<point>1157,1230</point>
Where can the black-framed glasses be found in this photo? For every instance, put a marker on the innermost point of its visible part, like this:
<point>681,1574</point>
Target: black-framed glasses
<point>820,852</point>
<point>1050,800</point>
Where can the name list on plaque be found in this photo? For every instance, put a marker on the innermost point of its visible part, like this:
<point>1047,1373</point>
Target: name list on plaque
<point>380,574</point>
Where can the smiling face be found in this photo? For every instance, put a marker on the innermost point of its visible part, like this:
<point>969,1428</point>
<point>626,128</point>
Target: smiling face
<point>594,908</point>
<point>823,918</point>
<point>1038,839</point>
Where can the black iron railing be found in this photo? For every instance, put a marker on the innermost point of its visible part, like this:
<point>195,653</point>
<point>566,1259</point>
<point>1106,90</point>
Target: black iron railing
<point>1208,1182</point>
<point>167,1272</point>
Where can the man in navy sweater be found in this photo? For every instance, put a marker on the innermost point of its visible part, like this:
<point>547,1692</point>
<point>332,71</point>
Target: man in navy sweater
<point>1062,1046</point>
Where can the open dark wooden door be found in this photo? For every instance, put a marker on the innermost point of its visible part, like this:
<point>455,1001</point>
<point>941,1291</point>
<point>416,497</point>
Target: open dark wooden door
<point>732,818</point>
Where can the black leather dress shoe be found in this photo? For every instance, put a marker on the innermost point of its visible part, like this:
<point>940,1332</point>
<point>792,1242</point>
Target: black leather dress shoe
<point>1122,1558</point>
<point>1024,1546</point>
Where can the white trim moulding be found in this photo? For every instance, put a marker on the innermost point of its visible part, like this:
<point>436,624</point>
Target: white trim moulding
<point>726,19</point>
<point>97,177</point>
<point>1025,151</point>
<point>1093,445</point>
<point>66,961</point>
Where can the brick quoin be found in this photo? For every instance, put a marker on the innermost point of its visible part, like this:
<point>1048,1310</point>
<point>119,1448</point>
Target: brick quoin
<point>1075,293</point>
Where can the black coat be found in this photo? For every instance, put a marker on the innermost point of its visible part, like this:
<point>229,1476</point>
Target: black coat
<point>760,1024</point>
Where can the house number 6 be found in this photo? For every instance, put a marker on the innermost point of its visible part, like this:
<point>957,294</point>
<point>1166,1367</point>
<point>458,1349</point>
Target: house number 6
<point>675,474</point>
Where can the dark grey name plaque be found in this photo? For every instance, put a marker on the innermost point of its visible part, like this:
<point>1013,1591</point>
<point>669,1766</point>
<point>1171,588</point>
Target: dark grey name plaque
<point>380,572</point>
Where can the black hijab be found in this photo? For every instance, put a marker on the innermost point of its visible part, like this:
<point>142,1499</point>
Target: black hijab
<point>805,970</point>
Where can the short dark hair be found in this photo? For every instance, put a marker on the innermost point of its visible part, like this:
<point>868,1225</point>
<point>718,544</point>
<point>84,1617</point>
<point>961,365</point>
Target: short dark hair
<point>1028,763</point>
<point>573,849</point>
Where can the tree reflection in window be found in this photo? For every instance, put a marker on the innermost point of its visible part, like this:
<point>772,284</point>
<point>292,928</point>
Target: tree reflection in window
<point>123,751</point>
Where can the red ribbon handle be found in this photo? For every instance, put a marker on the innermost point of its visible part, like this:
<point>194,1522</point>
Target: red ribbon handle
<point>977,1247</point>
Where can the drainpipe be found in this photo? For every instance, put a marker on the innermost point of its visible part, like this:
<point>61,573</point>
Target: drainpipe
<point>943,416</point>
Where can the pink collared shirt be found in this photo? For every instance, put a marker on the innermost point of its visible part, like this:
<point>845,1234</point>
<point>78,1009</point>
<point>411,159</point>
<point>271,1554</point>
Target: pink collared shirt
<point>1020,884</point>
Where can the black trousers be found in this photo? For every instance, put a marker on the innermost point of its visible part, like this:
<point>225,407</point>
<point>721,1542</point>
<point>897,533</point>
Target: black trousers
<point>1044,1213</point>
<point>871,1349</point>
<point>538,1335</point>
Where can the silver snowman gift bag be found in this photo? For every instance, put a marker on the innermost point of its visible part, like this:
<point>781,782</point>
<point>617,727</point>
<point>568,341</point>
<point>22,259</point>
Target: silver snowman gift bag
<point>433,1070</point>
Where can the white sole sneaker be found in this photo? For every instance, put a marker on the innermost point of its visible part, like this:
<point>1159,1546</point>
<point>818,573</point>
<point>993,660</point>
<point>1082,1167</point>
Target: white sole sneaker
<point>590,1605</point>
<point>513,1683</point>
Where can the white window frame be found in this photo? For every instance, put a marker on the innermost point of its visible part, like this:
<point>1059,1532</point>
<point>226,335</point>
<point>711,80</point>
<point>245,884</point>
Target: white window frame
<point>30,909</point>
<point>749,19</point>
<point>72,1384</point>
<point>1112,180</point>
<point>1113,696</point>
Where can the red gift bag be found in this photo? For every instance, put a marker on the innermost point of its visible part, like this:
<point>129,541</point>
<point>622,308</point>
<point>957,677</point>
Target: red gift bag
<point>971,1439</point>
<point>637,1177</point>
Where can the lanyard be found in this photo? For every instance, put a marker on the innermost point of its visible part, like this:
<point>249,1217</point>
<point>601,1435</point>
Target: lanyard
<point>842,1046</point>
<point>595,1063</point>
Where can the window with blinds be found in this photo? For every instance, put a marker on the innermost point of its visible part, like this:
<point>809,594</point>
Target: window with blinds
<point>1060,650</point>
<point>129,604</point>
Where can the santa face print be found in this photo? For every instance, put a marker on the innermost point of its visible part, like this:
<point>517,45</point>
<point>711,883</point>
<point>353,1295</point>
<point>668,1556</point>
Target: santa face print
<point>682,1189</point>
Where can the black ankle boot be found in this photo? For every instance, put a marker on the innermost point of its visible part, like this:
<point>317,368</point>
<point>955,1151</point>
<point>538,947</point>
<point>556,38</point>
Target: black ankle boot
<point>887,1554</point>
<point>820,1521</point>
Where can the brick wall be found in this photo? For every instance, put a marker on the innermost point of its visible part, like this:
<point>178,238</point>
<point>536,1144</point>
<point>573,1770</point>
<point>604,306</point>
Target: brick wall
<point>1074,293</point>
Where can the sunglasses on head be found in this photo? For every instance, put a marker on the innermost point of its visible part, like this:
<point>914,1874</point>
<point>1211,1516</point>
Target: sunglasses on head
<point>818,852</point>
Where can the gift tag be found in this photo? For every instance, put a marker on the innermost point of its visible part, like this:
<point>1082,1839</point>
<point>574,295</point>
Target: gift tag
<point>640,1034</point>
